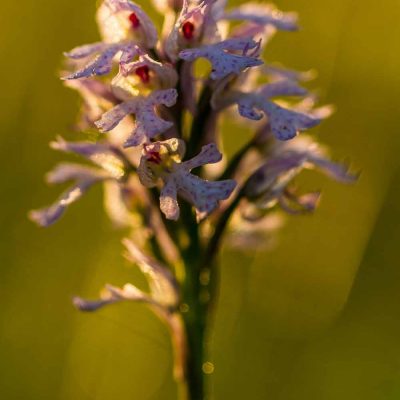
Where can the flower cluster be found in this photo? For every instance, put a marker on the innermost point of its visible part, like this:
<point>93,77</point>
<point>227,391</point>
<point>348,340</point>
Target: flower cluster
<point>158,120</point>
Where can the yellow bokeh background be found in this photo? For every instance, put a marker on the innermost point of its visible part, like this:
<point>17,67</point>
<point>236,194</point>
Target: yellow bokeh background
<point>316,318</point>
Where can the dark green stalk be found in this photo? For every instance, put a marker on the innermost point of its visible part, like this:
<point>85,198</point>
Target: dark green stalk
<point>235,161</point>
<point>178,108</point>
<point>200,122</point>
<point>194,315</point>
<point>215,241</point>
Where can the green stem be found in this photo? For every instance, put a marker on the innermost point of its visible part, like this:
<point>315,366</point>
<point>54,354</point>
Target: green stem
<point>195,333</point>
<point>178,108</point>
<point>200,122</point>
<point>215,241</point>
<point>235,161</point>
<point>194,314</point>
<point>199,295</point>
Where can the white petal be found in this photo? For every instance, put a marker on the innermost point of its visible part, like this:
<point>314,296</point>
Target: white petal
<point>163,286</point>
<point>101,65</point>
<point>168,202</point>
<point>264,14</point>
<point>224,63</point>
<point>85,50</point>
<point>209,155</point>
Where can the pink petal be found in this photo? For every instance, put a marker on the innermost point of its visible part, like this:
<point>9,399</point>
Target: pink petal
<point>163,286</point>
<point>282,88</point>
<point>101,65</point>
<point>204,195</point>
<point>85,50</point>
<point>113,117</point>
<point>224,63</point>
<point>285,124</point>
<point>261,14</point>
<point>168,202</point>
<point>85,178</point>
<point>209,155</point>
<point>109,17</point>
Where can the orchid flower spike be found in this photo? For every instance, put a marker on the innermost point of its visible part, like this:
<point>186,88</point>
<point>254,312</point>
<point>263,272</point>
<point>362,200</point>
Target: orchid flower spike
<point>143,89</point>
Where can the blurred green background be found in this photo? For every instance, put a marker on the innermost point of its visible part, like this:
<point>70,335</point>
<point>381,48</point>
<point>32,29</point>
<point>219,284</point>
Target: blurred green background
<point>317,318</point>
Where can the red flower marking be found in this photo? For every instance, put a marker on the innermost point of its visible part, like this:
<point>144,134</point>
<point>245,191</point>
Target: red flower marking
<point>188,30</point>
<point>153,156</point>
<point>143,73</point>
<point>134,20</point>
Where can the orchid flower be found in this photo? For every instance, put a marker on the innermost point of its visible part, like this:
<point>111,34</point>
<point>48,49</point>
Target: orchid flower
<point>270,183</point>
<point>263,14</point>
<point>223,61</point>
<point>163,160</point>
<point>164,293</point>
<point>194,26</point>
<point>84,178</point>
<point>110,167</point>
<point>124,26</point>
<point>148,123</point>
<point>147,70</point>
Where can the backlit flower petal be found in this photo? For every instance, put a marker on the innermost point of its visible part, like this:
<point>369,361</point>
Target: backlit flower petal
<point>148,123</point>
<point>101,65</point>
<point>85,177</point>
<point>338,171</point>
<point>164,73</point>
<point>49,215</point>
<point>299,204</point>
<point>281,73</point>
<point>163,286</point>
<point>270,183</point>
<point>104,155</point>
<point>264,14</point>
<point>97,98</point>
<point>204,195</point>
<point>223,62</point>
<point>282,88</point>
<point>111,295</point>
<point>168,200</point>
<point>285,124</point>
<point>195,25</point>
<point>115,25</point>
<point>209,154</point>
<point>86,50</point>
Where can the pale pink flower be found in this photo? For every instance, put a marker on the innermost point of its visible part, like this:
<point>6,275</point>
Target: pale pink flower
<point>162,160</point>
<point>124,27</point>
<point>147,123</point>
<point>163,296</point>
<point>222,58</point>
<point>194,26</point>
<point>270,184</point>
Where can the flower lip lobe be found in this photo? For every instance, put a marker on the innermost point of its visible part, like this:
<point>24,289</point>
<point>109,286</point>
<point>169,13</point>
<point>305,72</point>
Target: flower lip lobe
<point>134,20</point>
